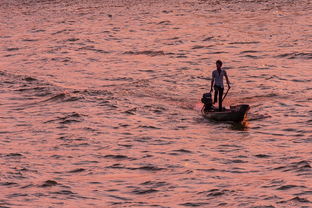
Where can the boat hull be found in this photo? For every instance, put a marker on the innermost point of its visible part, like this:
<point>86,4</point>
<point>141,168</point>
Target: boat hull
<point>235,113</point>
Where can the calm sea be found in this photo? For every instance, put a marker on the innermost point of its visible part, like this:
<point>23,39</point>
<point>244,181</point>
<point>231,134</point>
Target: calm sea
<point>100,104</point>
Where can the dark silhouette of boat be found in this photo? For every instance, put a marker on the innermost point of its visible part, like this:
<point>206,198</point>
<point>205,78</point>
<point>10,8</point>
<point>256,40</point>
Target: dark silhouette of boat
<point>236,113</point>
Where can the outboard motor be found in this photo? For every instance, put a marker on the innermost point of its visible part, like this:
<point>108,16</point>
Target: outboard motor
<point>207,100</point>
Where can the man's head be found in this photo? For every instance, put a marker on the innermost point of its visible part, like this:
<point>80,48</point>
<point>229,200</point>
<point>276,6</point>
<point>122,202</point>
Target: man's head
<point>219,64</point>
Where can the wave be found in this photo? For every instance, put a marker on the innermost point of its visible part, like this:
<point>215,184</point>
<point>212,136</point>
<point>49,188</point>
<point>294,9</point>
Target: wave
<point>148,53</point>
<point>295,55</point>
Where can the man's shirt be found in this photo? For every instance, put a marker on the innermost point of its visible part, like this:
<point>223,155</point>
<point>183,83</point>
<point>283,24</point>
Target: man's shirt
<point>218,77</point>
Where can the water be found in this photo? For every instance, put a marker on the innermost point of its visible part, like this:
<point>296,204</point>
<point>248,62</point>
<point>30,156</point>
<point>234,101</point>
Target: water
<point>100,104</point>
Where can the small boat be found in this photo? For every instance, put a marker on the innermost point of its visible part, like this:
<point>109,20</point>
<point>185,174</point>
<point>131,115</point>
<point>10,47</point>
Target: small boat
<point>236,113</point>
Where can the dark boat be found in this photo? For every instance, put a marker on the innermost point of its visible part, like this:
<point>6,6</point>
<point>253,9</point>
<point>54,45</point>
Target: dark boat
<point>236,113</point>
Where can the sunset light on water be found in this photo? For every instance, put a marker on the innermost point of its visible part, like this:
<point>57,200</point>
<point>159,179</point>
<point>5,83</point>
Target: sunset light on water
<point>101,104</point>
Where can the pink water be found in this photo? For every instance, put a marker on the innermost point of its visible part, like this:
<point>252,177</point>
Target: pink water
<point>100,104</point>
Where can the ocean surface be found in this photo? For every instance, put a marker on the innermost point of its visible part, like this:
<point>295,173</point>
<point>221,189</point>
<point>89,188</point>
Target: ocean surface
<point>100,103</point>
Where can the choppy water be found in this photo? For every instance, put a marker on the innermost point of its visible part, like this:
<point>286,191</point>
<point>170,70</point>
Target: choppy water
<point>100,104</point>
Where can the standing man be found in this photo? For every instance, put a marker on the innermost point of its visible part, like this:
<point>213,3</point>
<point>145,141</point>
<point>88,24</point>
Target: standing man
<point>217,83</point>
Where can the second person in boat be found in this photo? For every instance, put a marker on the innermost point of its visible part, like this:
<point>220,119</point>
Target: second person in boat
<point>217,83</point>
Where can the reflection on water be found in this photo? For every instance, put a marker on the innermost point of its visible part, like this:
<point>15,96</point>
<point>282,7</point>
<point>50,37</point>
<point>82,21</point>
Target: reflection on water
<point>240,126</point>
<point>100,104</point>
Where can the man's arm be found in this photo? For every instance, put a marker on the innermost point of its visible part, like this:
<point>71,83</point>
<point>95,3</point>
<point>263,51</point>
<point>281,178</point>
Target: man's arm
<point>227,80</point>
<point>212,81</point>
